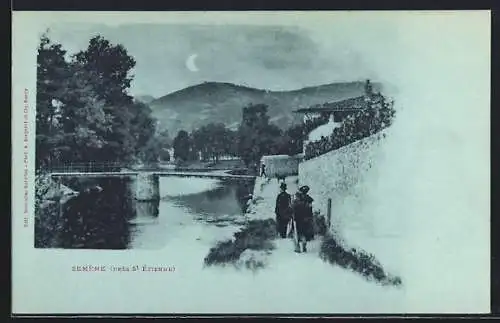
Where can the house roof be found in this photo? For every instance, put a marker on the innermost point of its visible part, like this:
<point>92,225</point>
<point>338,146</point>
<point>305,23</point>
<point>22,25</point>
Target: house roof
<point>351,104</point>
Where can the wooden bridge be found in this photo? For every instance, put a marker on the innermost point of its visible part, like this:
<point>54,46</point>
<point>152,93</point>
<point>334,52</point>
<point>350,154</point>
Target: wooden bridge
<point>147,185</point>
<point>215,175</point>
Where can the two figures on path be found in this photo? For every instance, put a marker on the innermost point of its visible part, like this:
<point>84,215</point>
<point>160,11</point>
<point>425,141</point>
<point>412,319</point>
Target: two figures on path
<point>297,213</point>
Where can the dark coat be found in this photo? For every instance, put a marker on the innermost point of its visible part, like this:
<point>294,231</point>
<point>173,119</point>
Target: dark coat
<point>283,205</point>
<point>303,215</point>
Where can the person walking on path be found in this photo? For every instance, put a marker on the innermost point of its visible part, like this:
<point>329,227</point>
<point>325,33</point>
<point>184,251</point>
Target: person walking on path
<point>263,171</point>
<point>283,210</point>
<point>303,218</point>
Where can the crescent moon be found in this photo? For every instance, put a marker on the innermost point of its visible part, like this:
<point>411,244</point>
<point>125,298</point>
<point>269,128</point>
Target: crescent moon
<point>190,63</point>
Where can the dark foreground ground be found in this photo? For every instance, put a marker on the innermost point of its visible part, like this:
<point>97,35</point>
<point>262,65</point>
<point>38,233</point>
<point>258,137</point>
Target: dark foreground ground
<point>258,235</point>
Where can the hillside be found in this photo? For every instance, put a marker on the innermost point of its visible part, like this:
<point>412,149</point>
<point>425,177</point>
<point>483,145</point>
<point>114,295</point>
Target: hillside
<point>208,102</point>
<point>144,98</point>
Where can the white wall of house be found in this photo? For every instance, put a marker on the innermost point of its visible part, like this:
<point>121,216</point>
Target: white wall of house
<point>311,116</point>
<point>281,165</point>
<point>324,130</point>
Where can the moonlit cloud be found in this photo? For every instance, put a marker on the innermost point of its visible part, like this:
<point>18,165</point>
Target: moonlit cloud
<point>269,57</point>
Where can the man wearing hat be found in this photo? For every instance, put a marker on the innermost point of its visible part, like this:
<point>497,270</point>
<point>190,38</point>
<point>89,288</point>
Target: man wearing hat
<point>303,216</point>
<point>283,210</point>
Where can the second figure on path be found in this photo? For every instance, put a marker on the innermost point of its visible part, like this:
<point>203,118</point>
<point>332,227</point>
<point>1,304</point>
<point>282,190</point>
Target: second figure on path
<point>303,216</point>
<point>283,210</point>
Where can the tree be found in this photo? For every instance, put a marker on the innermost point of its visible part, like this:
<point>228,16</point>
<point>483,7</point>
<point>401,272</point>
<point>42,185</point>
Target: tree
<point>282,145</point>
<point>132,125</point>
<point>83,110</point>
<point>256,136</point>
<point>113,65</point>
<point>164,139</point>
<point>142,125</point>
<point>182,146</point>
<point>217,137</point>
<point>213,141</point>
<point>164,154</point>
<point>164,143</point>
<point>150,152</point>
<point>71,120</point>
<point>200,142</point>
<point>85,123</point>
<point>295,139</point>
<point>51,72</point>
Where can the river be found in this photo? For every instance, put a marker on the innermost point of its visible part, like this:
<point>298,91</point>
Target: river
<point>110,218</point>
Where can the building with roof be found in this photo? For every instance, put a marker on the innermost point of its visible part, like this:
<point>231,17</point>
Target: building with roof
<point>322,119</point>
<point>340,109</point>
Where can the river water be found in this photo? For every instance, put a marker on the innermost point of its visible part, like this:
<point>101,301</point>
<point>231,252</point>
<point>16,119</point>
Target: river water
<point>111,219</point>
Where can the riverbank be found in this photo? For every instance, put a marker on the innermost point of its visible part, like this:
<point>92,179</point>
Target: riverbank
<point>177,241</point>
<point>81,213</point>
<point>49,198</point>
<point>254,246</point>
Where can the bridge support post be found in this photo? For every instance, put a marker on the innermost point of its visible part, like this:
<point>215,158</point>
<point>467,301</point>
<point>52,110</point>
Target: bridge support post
<point>146,210</point>
<point>59,197</point>
<point>147,187</point>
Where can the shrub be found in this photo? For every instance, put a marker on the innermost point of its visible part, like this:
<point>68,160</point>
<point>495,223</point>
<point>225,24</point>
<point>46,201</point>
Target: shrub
<point>320,225</point>
<point>224,252</point>
<point>257,235</point>
<point>253,260</point>
<point>47,217</point>
<point>356,260</point>
<point>47,225</point>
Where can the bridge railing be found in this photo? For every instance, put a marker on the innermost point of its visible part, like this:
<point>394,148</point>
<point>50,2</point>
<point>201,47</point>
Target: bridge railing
<point>88,167</point>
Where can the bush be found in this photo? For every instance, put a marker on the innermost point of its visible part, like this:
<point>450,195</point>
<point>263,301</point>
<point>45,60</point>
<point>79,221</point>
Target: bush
<point>320,225</point>
<point>363,124</point>
<point>253,260</point>
<point>47,217</point>
<point>224,252</point>
<point>356,260</point>
<point>257,235</point>
<point>47,225</point>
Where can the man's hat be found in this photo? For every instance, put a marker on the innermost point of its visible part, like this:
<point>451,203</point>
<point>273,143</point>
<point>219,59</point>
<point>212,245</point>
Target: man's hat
<point>304,189</point>
<point>283,186</point>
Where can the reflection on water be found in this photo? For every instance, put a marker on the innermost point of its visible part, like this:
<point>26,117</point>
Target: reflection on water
<point>105,216</point>
<point>146,209</point>
<point>98,217</point>
<point>229,197</point>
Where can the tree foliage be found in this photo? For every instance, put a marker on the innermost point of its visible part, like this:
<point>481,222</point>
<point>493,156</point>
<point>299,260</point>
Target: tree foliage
<point>182,146</point>
<point>83,110</point>
<point>213,141</point>
<point>112,64</point>
<point>256,136</point>
<point>162,144</point>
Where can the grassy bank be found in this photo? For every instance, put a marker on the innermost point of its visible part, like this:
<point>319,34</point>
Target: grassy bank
<point>358,261</point>
<point>258,235</point>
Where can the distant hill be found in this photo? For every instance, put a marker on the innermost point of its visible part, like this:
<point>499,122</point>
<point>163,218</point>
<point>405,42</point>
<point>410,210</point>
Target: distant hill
<point>145,98</point>
<point>207,102</point>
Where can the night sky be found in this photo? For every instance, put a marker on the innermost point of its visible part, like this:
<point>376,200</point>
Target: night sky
<point>266,57</point>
